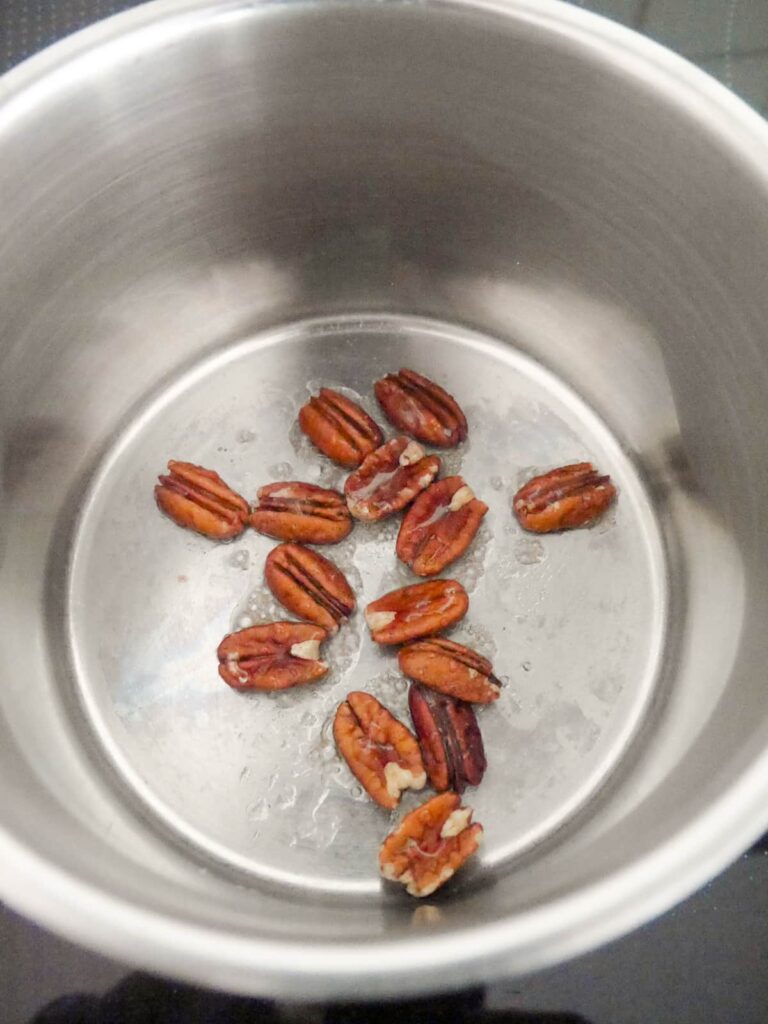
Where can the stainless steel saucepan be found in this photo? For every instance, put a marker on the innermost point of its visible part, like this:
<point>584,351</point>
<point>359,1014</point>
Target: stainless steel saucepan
<point>208,207</point>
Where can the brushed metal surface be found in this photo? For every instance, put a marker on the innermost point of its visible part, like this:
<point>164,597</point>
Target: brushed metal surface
<point>574,623</point>
<point>206,207</point>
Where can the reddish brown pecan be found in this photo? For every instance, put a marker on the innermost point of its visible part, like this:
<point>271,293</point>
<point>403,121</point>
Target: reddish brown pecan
<point>563,499</point>
<point>415,611</point>
<point>430,844</point>
<point>198,499</point>
<point>382,752</point>
<point>309,585</point>
<point>301,512</point>
<point>389,479</point>
<point>272,657</point>
<point>439,526</point>
<point>339,428</point>
<point>450,668</point>
<point>421,408</point>
<point>450,739</point>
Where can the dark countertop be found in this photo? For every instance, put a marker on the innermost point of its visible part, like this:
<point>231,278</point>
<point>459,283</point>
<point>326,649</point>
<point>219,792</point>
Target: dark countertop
<point>705,961</point>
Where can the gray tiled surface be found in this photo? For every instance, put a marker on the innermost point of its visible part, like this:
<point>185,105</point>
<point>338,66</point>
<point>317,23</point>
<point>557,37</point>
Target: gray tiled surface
<point>746,75</point>
<point>27,26</point>
<point>729,38</point>
<point>626,12</point>
<point>700,28</point>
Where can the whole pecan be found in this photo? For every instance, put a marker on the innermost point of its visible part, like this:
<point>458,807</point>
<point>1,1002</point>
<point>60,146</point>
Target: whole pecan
<point>421,408</point>
<point>301,512</point>
<point>382,752</point>
<point>430,844</point>
<point>309,585</point>
<point>439,526</point>
<point>389,479</point>
<point>563,499</point>
<point>272,657</point>
<point>418,610</point>
<point>450,668</point>
<point>339,427</point>
<point>198,499</point>
<point>450,739</point>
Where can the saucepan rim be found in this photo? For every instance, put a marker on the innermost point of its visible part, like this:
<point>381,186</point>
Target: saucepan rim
<point>404,965</point>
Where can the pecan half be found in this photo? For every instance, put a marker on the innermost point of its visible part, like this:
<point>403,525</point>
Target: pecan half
<point>339,427</point>
<point>563,499</point>
<point>415,611</point>
<point>450,668</point>
<point>198,499</point>
<point>389,479</point>
<point>301,512</point>
<point>381,751</point>
<point>430,844</point>
<point>309,585</point>
<point>450,739</point>
<point>421,408</point>
<point>272,657</point>
<point>439,526</point>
